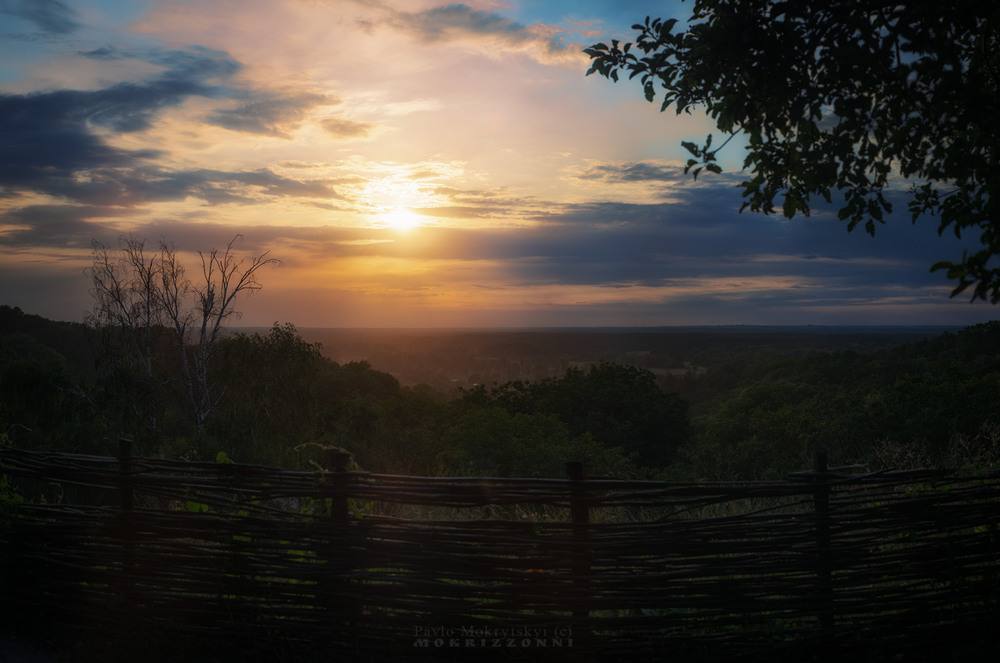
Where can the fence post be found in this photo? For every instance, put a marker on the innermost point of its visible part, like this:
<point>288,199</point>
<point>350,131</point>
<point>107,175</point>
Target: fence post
<point>126,565</point>
<point>125,469</point>
<point>337,587</point>
<point>580,514</point>
<point>338,503</point>
<point>824,581</point>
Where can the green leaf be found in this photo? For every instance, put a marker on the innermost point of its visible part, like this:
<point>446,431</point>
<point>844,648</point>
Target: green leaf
<point>829,114</point>
<point>789,206</point>
<point>944,264</point>
<point>196,507</point>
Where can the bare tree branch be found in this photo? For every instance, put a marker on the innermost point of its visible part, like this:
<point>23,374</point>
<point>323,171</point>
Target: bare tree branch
<point>139,297</point>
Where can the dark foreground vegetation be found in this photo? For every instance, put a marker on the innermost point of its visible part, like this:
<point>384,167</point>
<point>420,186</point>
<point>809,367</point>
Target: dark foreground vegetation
<point>750,404</point>
<point>219,561</point>
<point>216,560</point>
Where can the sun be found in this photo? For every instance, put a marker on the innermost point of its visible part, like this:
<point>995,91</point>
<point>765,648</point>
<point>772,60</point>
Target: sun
<point>401,218</point>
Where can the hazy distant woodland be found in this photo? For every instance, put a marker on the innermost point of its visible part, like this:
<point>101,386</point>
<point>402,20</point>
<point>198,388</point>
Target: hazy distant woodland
<point>683,403</point>
<point>453,358</point>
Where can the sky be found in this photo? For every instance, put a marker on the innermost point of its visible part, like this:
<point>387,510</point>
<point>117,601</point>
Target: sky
<point>411,163</point>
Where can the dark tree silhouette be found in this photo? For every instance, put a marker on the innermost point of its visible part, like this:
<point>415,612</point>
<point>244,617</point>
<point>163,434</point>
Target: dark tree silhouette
<point>143,300</point>
<point>842,97</point>
<point>621,406</point>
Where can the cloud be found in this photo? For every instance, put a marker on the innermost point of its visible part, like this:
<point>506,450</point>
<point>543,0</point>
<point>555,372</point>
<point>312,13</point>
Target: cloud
<point>51,226</point>
<point>141,185</point>
<point>487,203</point>
<point>195,63</point>
<point>56,143</point>
<point>52,134</point>
<point>641,171</point>
<point>270,113</point>
<point>701,241</point>
<point>484,30</point>
<point>49,16</point>
<point>48,145</point>
<point>47,135</point>
<point>540,189</point>
<point>218,187</point>
<point>106,53</point>
<point>344,128</point>
<point>442,23</point>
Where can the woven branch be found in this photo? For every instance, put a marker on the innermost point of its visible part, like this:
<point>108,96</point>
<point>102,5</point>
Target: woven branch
<point>666,570</point>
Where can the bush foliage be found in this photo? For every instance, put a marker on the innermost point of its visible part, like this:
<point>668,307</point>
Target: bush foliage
<point>756,416</point>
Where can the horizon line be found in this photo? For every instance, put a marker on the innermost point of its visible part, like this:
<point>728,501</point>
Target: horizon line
<point>611,327</point>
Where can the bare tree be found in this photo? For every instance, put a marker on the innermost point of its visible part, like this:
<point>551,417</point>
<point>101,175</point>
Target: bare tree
<point>224,277</point>
<point>125,287</point>
<point>127,317</point>
<point>141,300</point>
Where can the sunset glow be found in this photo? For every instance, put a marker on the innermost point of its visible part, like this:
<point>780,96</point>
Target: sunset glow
<point>401,219</point>
<point>411,163</point>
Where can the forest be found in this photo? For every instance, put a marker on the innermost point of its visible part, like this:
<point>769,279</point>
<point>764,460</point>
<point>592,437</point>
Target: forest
<point>732,404</point>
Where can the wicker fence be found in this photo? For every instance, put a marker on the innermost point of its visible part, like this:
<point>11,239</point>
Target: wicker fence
<point>289,566</point>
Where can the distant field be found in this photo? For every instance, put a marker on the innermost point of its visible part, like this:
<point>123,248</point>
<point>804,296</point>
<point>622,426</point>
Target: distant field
<point>450,358</point>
